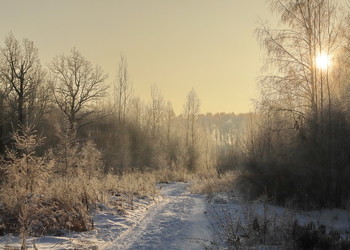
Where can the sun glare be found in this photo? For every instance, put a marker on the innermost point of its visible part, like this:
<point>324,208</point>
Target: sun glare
<point>323,61</point>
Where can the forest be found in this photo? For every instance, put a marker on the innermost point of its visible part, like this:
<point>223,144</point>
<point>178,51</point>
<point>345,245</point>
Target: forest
<point>70,136</point>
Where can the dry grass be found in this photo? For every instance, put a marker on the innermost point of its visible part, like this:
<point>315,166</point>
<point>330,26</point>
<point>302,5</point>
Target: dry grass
<point>214,183</point>
<point>66,203</point>
<point>173,174</point>
<point>136,183</point>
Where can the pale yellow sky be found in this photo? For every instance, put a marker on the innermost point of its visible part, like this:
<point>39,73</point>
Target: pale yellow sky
<point>177,44</point>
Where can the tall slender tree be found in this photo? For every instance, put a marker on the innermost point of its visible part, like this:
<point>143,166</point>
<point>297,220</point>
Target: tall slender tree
<point>191,112</point>
<point>296,84</point>
<point>155,111</point>
<point>122,90</point>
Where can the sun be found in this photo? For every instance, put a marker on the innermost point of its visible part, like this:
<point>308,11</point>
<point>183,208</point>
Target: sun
<point>323,61</point>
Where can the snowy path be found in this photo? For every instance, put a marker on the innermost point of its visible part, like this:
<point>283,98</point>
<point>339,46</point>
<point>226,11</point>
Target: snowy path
<point>168,222</point>
<point>171,224</point>
<point>176,220</point>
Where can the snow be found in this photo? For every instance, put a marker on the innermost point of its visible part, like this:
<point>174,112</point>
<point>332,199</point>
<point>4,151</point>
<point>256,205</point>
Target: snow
<point>108,222</point>
<point>174,224</point>
<point>175,219</point>
<point>225,210</point>
<point>333,219</point>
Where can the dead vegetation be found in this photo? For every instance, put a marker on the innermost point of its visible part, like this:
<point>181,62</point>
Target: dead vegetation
<point>213,183</point>
<point>55,202</point>
<point>239,224</point>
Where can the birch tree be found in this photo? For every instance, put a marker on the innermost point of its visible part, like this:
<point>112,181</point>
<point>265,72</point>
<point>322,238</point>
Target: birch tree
<point>295,83</point>
<point>155,111</point>
<point>122,90</point>
<point>191,112</point>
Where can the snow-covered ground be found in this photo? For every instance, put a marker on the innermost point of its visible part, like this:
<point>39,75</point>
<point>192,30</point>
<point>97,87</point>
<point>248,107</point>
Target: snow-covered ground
<point>173,224</point>
<point>109,224</point>
<point>177,219</point>
<point>173,220</point>
<point>230,215</point>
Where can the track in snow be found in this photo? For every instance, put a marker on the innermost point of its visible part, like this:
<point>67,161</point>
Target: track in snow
<point>173,224</point>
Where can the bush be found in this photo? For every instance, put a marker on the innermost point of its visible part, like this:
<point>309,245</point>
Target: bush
<point>59,190</point>
<point>309,166</point>
<point>213,183</point>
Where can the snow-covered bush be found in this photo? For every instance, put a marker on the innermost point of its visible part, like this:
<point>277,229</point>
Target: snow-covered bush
<point>26,172</point>
<point>58,191</point>
<point>35,200</point>
<point>66,151</point>
<point>26,176</point>
<point>90,160</point>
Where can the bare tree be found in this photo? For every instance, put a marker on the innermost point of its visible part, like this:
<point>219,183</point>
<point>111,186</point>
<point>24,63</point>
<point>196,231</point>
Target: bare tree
<point>295,84</point>
<point>122,90</point>
<point>169,120</point>
<point>22,79</point>
<point>76,84</point>
<point>301,126</point>
<point>137,110</point>
<point>191,112</point>
<point>155,111</point>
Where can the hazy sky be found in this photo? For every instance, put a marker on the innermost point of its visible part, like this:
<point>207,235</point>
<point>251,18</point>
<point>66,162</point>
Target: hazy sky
<point>176,44</point>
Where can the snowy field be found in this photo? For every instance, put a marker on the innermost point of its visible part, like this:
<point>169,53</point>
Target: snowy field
<point>233,219</point>
<point>177,219</point>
